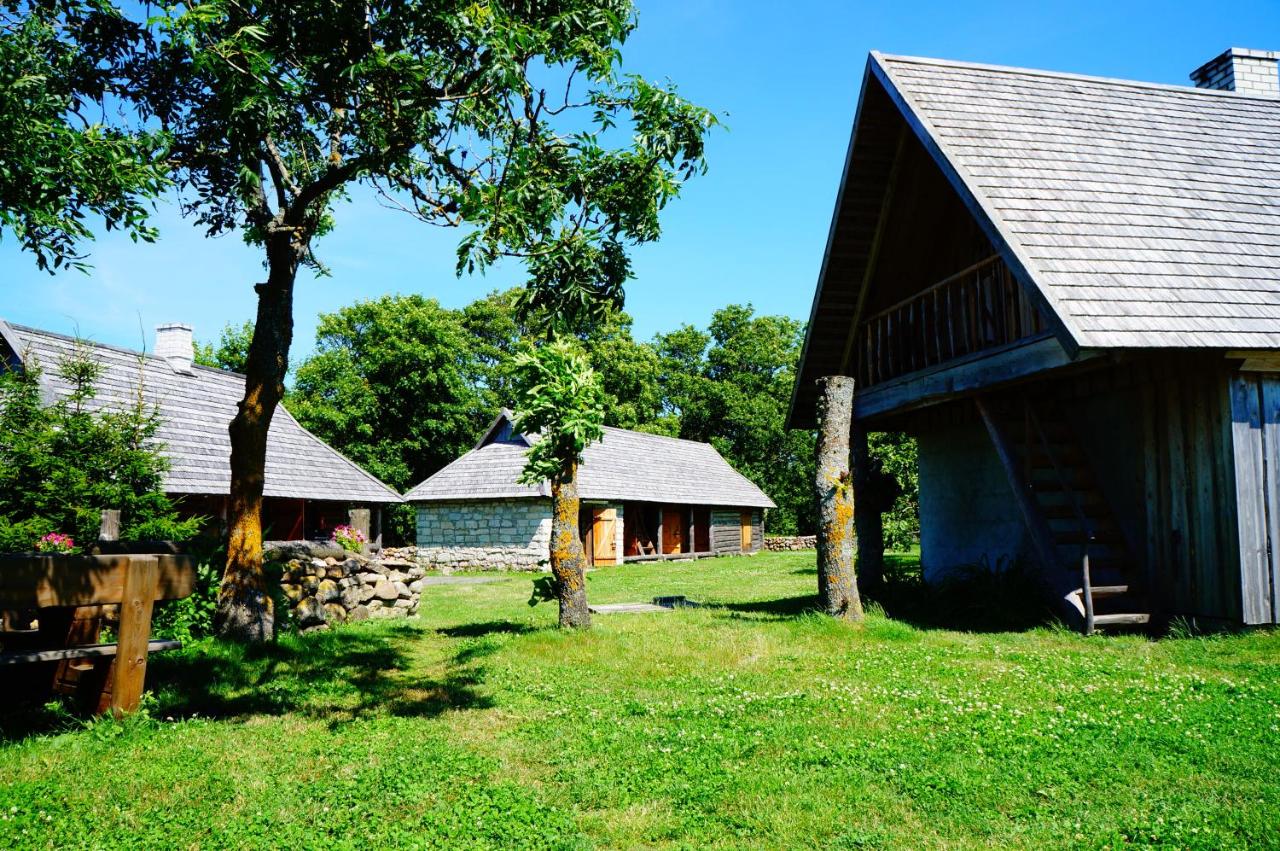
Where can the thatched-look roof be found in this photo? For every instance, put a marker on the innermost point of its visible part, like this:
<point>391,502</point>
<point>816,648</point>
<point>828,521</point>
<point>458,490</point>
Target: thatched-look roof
<point>195,408</point>
<point>1135,215</point>
<point>625,465</point>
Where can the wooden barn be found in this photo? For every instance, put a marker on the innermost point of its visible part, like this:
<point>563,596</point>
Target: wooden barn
<point>310,488</point>
<point>1068,288</point>
<point>644,497</point>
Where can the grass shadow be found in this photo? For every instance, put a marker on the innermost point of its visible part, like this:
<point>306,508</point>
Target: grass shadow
<point>779,609</point>
<point>340,676</point>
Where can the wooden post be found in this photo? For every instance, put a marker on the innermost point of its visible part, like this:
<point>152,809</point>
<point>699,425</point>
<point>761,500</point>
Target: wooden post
<point>359,519</point>
<point>109,527</point>
<point>141,577</point>
<point>377,528</point>
<point>833,484</point>
<point>868,506</point>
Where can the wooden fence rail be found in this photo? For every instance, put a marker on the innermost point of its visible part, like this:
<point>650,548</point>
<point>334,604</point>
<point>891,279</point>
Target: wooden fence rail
<point>977,308</point>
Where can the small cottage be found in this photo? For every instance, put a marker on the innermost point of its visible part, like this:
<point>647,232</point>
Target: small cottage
<point>644,497</point>
<point>309,489</point>
<point>1068,289</point>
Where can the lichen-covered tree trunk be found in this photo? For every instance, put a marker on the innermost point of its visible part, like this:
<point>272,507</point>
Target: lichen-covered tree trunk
<point>244,609</point>
<point>837,582</point>
<point>568,561</point>
<point>868,519</point>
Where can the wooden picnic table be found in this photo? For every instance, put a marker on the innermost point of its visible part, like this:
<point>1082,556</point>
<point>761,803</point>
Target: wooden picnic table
<point>70,594</point>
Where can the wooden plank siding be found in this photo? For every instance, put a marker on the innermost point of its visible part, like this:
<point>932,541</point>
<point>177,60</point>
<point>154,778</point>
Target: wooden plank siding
<point>1255,431</point>
<point>1192,547</point>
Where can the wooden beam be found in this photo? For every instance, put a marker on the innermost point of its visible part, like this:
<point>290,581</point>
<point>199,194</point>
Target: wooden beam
<point>965,375</point>
<point>130,667</point>
<point>88,651</point>
<point>873,254</point>
<point>1063,586</point>
<point>52,580</point>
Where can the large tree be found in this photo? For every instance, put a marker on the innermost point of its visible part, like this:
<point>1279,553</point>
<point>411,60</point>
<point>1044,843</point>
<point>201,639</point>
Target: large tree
<point>399,384</point>
<point>488,114</point>
<point>68,156</point>
<point>730,386</point>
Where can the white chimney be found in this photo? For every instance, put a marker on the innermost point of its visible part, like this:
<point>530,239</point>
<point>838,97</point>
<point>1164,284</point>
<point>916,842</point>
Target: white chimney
<point>1251,72</point>
<point>173,343</point>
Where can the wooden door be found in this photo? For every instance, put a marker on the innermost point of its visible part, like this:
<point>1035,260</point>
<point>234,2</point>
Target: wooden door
<point>747,531</point>
<point>604,544</point>
<point>673,530</point>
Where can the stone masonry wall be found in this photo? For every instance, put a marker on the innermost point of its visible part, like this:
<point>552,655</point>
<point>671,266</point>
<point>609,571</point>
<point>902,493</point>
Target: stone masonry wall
<point>787,543</point>
<point>325,586</point>
<point>505,533</point>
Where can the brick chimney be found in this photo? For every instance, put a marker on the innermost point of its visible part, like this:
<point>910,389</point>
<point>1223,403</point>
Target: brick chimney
<point>174,344</point>
<point>1250,72</point>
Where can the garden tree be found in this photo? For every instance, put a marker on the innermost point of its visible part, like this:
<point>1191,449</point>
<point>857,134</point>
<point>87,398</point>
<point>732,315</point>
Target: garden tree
<point>66,154</point>
<point>400,385</point>
<point>487,114</point>
<point>62,464</point>
<point>560,399</point>
<point>230,352</point>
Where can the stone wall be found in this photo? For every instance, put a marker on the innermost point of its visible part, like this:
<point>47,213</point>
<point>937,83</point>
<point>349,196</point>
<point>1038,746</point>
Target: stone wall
<point>326,586</point>
<point>499,533</point>
<point>788,543</point>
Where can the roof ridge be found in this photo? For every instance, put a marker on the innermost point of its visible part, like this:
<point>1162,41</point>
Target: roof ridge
<point>27,329</point>
<point>1070,75</point>
<point>658,436</point>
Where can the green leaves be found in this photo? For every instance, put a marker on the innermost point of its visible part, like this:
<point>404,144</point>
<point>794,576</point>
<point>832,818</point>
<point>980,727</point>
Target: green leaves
<point>559,399</point>
<point>61,62</point>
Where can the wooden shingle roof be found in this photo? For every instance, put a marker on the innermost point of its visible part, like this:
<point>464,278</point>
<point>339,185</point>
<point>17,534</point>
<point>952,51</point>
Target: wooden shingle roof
<point>1149,215</point>
<point>624,465</point>
<point>1135,215</point>
<point>195,410</point>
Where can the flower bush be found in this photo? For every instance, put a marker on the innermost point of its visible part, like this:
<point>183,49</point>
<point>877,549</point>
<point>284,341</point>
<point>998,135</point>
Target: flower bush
<point>55,542</point>
<point>349,538</point>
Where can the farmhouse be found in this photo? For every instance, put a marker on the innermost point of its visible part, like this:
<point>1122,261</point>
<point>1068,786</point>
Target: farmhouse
<point>309,487</point>
<point>1068,288</point>
<point>644,497</point>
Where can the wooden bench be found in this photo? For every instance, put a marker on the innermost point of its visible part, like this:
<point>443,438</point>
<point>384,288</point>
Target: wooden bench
<point>70,594</point>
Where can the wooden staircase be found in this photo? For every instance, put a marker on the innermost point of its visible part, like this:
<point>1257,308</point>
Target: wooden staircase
<point>1088,560</point>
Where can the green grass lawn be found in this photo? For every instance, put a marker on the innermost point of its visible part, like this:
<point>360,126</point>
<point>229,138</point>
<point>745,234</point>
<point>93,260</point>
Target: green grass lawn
<point>749,722</point>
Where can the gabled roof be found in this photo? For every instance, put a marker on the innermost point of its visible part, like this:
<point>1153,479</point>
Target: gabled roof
<point>1136,215</point>
<point>195,410</point>
<point>624,465</point>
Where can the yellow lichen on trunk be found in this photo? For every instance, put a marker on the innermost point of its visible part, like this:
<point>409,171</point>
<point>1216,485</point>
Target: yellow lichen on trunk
<point>568,561</point>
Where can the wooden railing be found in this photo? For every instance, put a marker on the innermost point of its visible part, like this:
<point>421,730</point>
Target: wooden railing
<point>977,308</point>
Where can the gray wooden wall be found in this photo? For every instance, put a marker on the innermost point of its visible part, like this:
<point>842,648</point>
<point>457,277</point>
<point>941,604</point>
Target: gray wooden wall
<point>1255,443</point>
<point>726,530</point>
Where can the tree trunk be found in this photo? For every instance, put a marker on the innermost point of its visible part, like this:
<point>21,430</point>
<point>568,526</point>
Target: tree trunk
<point>837,583</point>
<point>568,562</point>
<point>244,610</point>
<point>868,518</point>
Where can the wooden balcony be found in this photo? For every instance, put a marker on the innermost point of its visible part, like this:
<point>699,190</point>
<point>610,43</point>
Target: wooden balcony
<point>977,308</point>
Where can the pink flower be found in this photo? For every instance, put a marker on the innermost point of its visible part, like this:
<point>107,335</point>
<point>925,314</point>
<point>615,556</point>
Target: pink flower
<point>55,542</point>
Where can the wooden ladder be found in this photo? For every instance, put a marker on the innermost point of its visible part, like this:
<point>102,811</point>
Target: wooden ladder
<point>1088,557</point>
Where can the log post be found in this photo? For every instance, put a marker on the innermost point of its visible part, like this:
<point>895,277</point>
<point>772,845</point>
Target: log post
<point>109,526</point>
<point>868,512</point>
<point>833,484</point>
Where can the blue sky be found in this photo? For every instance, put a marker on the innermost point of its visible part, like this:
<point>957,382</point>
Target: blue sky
<point>786,76</point>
